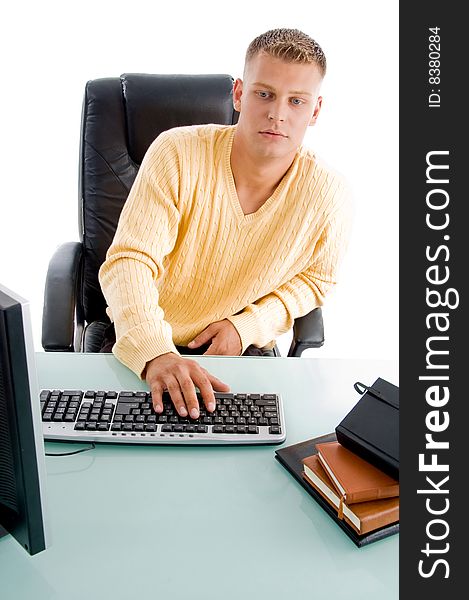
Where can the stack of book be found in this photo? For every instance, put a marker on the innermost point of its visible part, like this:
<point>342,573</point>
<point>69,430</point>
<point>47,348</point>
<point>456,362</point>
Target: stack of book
<point>362,495</point>
<point>364,521</point>
<point>353,472</point>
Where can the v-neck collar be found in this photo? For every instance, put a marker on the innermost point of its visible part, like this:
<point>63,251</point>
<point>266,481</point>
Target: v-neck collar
<point>233,194</point>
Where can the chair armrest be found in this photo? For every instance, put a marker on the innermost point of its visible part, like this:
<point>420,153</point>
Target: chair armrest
<point>60,299</point>
<point>308,332</point>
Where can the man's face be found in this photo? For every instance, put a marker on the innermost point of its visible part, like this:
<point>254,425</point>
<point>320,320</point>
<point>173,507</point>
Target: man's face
<point>277,101</point>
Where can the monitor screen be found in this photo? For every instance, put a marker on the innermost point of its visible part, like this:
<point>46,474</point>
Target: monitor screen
<point>22,467</point>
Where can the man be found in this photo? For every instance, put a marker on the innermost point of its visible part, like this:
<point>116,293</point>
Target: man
<point>229,232</point>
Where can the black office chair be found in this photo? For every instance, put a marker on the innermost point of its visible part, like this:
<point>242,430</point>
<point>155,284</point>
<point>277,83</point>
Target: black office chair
<point>120,119</point>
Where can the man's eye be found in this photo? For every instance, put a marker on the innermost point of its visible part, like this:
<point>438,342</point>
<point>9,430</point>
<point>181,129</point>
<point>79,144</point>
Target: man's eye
<point>297,101</point>
<point>263,94</point>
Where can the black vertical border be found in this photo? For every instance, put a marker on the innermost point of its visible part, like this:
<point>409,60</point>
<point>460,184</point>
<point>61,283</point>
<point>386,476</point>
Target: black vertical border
<point>425,128</point>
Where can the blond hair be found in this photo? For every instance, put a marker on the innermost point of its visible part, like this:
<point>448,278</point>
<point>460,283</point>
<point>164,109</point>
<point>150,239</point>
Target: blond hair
<point>290,45</point>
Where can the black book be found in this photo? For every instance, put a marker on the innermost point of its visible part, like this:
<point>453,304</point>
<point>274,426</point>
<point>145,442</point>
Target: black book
<point>291,456</point>
<point>371,428</point>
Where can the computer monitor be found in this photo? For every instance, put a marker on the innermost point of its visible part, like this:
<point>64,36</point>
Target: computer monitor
<point>22,466</point>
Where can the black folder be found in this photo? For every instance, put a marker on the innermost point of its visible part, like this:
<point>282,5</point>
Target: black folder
<point>291,456</point>
<point>371,428</point>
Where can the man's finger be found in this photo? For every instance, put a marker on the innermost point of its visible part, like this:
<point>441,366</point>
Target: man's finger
<point>157,397</point>
<point>202,381</point>
<point>202,338</point>
<point>177,398</point>
<point>211,350</point>
<point>217,384</point>
<point>190,397</point>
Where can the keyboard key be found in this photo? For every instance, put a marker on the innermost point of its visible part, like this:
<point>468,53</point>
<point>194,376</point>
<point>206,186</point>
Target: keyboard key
<point>253,429</point>
<point>262,402</point>
<point>217,429</point>
<point>202,428</point>
<point>241,429</point>
<point>116,426</point>
<point>274,429</point>
<point>90,426</point>
<point>166,428</point>
<point>124,409</point>
<point>103,426</point>
<point>80,426</point>
<point>150,427</point>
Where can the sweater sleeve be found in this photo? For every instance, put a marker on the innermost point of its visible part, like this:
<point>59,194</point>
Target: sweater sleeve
<point>146,233</point>
<point>261,322</point>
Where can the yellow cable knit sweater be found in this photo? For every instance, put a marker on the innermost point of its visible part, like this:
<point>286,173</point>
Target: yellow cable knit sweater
<point>185,255</point>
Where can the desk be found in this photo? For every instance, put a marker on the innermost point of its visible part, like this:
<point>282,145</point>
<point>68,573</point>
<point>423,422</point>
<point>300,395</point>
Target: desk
<point>178,523</point>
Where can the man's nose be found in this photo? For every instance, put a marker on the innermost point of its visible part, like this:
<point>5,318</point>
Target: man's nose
<point>276,112</point>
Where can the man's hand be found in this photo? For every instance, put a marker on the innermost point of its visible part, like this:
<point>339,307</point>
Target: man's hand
<point>179,376</point>
<point>223,336</point>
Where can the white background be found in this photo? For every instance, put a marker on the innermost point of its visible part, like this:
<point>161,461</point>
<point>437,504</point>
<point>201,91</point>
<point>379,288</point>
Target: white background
<point>50,49</point>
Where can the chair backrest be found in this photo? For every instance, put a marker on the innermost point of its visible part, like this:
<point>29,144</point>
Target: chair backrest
<point>120,119</point>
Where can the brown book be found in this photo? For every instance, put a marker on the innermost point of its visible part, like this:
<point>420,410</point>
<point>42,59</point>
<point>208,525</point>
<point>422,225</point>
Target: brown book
<point>363,517</point>
<point>355,479</point>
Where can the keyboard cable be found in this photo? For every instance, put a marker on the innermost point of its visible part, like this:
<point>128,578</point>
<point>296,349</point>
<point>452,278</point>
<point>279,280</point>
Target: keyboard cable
<point>92,447</point>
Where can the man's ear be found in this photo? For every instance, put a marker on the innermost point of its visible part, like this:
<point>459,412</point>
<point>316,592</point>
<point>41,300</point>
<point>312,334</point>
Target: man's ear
<point>237,93</point>
<point>316,112</point>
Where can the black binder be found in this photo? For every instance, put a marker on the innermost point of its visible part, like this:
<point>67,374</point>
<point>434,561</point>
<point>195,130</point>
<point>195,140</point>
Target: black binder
<point>371,428</point>
<point>291,456</point>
